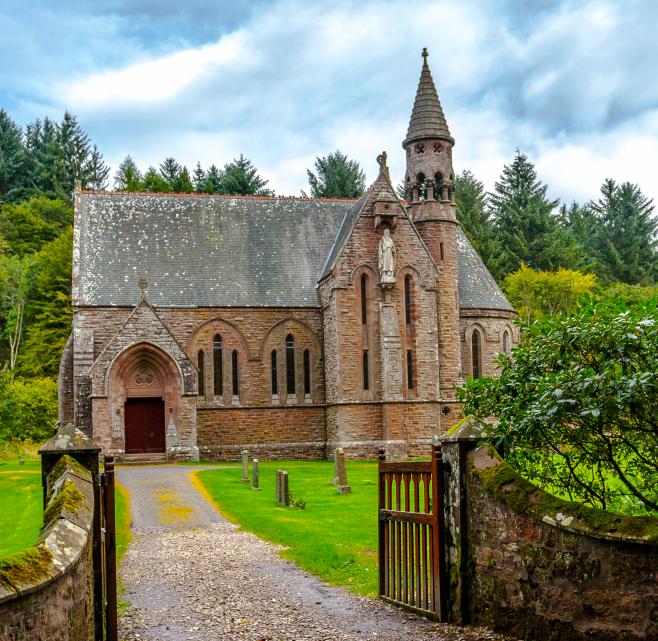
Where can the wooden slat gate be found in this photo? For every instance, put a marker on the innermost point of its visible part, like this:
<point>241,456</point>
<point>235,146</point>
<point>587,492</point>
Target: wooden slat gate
<point>412,570</point>
<point>107,630</point>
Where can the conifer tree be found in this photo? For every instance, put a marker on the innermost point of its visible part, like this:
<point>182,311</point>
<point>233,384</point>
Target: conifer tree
<point>155,182</point>
<point>523,216</point>
<point>336,177</point>
<point>182,183</point>
<point>212,181</point>
<point>475,219</point>
<point>75,152</point>
<point>46,162</point>
<point>128,177</point>
<point>625,237</point>
<point>13,163</point>
<point>199,179</point>
<point>240,177</point>
<point>169,169</point>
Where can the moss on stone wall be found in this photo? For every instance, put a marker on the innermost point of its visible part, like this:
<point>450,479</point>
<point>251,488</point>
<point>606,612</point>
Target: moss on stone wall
<point>504,484</point>
<point>25,568</point>
<point>69,499</point>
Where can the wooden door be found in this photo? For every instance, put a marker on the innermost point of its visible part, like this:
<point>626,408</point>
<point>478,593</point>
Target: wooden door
<point>145,428</point>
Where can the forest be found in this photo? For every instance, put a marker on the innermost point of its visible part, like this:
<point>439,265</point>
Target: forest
<point>546,254</point>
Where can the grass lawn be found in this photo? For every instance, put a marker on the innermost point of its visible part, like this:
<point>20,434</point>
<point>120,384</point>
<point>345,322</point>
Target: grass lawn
<point>21,501</point>
<point>335,537</point>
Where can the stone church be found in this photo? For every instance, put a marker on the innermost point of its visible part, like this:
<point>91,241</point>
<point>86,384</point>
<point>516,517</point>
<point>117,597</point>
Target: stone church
<point>288,326</point>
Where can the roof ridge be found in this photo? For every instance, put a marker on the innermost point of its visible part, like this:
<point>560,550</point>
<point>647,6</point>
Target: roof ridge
<point>107,192</point>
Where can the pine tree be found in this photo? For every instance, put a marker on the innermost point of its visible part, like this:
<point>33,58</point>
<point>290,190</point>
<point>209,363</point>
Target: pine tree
<point>169,169</point>
<point>580,225</point>
<point>336,177</point>
<point>526,228</point>
<point>96,171</point>
<point>625,237</point>
<point>128,177</point>
<point>199,179</point>
<point>13,162</point>
<point>47,170</point>
<point>475,219</point>
<point>212,181</point>
<point>182,183</point>
<point>240,177</point>
<point>75,151</point>
<point>155,182</point>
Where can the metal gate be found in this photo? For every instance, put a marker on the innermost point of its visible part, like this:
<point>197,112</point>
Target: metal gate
<point>105,561</point>
<point>412,569</point>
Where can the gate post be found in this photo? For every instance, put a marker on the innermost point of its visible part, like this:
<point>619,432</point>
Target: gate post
<point>438,536</point>
<point>454,448</point>
<point>110,575</point>
<point>381,525</point>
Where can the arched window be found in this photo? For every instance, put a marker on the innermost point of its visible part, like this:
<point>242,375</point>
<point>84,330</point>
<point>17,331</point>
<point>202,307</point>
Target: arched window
<point>364,299</point>
<point>307,372</point>
<point>275,375</point>
<point>366,374</point>
<point>235,373</point>
<point>290,364</point>
<point>476,354</point>
<point>410,370</point>
<point>438,185</point>
<point>217,363</point>
<point>506,343</point>
<point>407,300</point>
<point>202,377</point>
<point>422,187</point>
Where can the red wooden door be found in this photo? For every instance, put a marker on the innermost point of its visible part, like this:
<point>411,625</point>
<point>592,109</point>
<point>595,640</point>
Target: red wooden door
<point>145,428</point>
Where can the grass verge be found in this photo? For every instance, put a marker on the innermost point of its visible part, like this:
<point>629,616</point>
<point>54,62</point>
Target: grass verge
<point>123,538</point>
<point>335,537</point>
<point>22,504</point>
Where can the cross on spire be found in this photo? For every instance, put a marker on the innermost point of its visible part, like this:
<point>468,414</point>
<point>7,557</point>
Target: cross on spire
<point>425,53</point>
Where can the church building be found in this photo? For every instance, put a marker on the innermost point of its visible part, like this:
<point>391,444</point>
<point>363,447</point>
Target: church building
<point>204,325</point>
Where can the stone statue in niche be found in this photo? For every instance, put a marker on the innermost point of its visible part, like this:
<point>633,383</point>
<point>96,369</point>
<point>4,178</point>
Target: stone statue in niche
<point>386,259</point>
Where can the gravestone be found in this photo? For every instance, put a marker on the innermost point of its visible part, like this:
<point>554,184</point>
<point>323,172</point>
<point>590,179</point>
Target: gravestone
<point>255,482</point>
<point>341,472</point>
<point>245,466</point>
<point>282,491</point>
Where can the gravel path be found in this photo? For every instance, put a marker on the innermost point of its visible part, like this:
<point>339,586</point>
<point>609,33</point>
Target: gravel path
<point>191,575</point>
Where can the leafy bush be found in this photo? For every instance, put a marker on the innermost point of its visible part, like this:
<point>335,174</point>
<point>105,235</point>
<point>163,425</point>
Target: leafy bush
<point>578,404</point>
<point>28,408</point>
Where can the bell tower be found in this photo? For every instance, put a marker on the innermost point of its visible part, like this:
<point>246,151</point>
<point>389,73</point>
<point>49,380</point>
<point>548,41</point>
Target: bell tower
<point>429,191</point>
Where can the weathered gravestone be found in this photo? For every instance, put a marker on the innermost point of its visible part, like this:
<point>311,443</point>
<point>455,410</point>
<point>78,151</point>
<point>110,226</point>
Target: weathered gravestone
<point>282,491</point>
<point>255,479</point>
<point>245,466</point>
<point>341,472</point>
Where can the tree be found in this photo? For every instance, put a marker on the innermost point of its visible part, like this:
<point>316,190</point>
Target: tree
<point>128,177</point>
<point>155,182</point>
<point>535,293</point>
<point>47,168</point>
<point>199,179</point>
<point>525,225</point>
<point>628,294</point>
<point>577,404</point>
<point>48,311</point>
<point>475,219</point>
<point>27,226</point>
<point>169,169</point>
<point>212,181</point>
<point>13,163</point>
<point>182,183</point>
<point>240,177</point>
<point>336,177</point>
<point>96,171</point>
<point>625,236</point>
<point>14,290</point>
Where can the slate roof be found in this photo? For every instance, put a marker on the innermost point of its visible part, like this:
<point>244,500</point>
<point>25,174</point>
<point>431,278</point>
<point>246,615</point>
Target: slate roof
<point>203,251</point>
<point>427,118</point>
<point>477,287</point>
<point>218,251</point>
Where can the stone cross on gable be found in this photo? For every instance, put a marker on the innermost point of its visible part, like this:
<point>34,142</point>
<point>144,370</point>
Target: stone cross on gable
<point>143,285</point>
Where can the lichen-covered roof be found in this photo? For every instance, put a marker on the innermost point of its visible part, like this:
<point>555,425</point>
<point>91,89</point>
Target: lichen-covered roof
<point>226,251</point>
<point>203,251</point>
<point>427,118</point>
<point>477,287</point>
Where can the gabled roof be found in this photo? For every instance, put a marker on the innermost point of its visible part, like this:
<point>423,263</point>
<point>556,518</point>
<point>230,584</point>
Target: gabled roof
<point>202,251</point>
<point>427,118</point>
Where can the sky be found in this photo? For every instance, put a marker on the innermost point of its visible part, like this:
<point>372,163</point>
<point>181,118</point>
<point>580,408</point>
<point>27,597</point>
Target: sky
<point>572,84</point>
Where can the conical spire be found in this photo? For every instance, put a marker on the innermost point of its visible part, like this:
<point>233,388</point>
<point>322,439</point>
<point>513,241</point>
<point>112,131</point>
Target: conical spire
<point>427,119</point>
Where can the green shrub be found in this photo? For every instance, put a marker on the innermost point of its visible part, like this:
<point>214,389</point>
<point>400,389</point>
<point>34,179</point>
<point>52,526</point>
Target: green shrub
<point>28,408</point>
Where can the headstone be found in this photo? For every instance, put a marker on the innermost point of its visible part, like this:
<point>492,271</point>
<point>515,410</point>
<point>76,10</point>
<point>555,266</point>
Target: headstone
<point>341,472</point>
<point>255,479</point>
<point>245,466</point>
<point>285,493</point>
<point>278,486</point>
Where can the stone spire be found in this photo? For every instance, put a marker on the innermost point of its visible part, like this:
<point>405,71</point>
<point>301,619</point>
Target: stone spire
<point>427,118</point>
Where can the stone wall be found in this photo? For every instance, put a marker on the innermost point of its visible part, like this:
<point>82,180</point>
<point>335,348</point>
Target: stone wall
<point>539,568</point>
<point>46,591</point>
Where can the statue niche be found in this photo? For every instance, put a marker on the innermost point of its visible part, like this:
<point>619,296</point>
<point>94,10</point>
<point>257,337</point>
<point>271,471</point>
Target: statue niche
<point>386,259</point>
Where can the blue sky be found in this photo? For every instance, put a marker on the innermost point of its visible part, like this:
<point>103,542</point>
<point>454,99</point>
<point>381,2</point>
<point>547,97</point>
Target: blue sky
<point>572,84</point>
